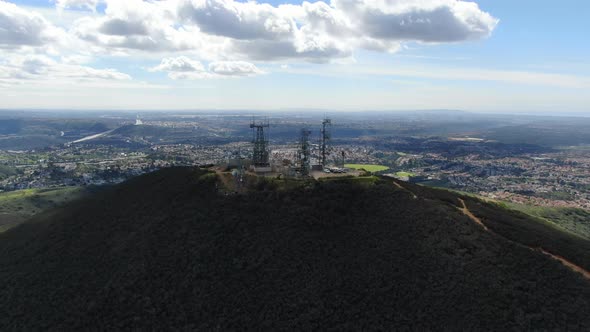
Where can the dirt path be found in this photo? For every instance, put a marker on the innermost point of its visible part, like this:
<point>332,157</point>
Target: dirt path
<point>585,273</point>
<point>225,180</point>
<point>567,263</point>
<point>404,189</point>
<point>471,216</point>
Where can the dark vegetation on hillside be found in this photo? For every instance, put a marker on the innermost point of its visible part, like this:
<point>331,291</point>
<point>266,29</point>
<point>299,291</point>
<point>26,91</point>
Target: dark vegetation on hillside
<point>6,171</point>
<point>19,206</point>
<point>574,220</point>
<point>517,226</point>
<point>168,251</point>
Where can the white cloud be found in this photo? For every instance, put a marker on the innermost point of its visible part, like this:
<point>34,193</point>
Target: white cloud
<point>263,32</point>
<point>320,31</point>
<point>18,69</point>
<point>238,20</point>
<point>234,68</point>
<point>81,4</point>
<point>410,20</point>
<point>310,48</point>
<point>19,27</point>
<point>184,68</point>
<point>227,34</point>
<point>179,64</point>
<point>313,32</point>
<point>135,25</point>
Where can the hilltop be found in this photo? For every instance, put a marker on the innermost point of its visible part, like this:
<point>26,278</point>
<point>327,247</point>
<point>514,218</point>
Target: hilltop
<point>173,250</point>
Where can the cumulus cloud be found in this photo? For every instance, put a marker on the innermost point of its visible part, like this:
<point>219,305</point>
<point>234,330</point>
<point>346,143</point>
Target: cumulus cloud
<point>19,27</point>
<point>307,48</point>
<point>41,67</point>
<point>81,4</point>
<point>135,25</point>
<point>179,64</point>
<point>223,31</point>
<point>427,20</point>
<point>315,32</point>
<point>238,20</point>
<point>120,27</point>
<point>322,31</point>
<point>261,31</point>
<point>184,68</point>
<point>234,68</point>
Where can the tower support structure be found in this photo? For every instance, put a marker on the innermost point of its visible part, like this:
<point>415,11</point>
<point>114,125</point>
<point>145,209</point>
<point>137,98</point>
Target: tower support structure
<point>325,136</point>
<point>260,141</point>
<point>304,152</point>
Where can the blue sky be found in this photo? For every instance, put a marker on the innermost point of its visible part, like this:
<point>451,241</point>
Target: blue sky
<point>519,56</point>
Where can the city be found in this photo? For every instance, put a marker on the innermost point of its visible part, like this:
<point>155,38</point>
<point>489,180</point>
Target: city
<point>519,173</point>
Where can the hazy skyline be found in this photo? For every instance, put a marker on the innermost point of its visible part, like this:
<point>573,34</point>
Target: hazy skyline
<point>489,55</point>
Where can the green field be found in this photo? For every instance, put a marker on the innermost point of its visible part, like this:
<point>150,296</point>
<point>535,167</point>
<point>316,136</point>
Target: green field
<point>368,168</point>
<point>18,206</point>
<point>573,220</point>
<point>361,180</point>
<point>405,174</point>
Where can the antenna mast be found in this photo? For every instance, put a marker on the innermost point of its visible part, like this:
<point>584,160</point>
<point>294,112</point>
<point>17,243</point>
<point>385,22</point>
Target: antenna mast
<point>325,136</point>
<point>304,152</point>
<point>260,141</point>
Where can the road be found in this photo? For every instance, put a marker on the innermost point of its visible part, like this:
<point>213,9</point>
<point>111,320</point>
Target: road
<point>91,137</point>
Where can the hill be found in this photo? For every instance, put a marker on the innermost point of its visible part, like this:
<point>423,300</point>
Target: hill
<point>571,219</point>
<point>172,250</point>
<point>18,206</point>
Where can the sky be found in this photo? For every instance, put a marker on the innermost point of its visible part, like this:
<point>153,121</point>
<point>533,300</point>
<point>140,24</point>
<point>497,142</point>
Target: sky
<point>488,55</point>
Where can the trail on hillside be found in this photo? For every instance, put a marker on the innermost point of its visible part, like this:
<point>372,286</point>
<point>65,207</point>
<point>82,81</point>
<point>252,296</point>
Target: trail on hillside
<point>225,180</point>
<point>471,216</point>
<point>567,263</point>
<point>405,189</point>
<point>585,273</point>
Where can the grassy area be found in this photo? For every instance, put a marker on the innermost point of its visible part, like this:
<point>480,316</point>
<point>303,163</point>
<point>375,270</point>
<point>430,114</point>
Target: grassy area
<point>405,174</point>
<point>571,219</point>
<point>362,180</point>
<point>18,206</point>
<point>368,168</point>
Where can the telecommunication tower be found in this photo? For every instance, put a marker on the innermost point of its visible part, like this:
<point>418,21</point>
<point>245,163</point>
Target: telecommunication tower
<point>260,141</point>
<point>239,172</point>
<point>304,152</point>
<point>325,136</point>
